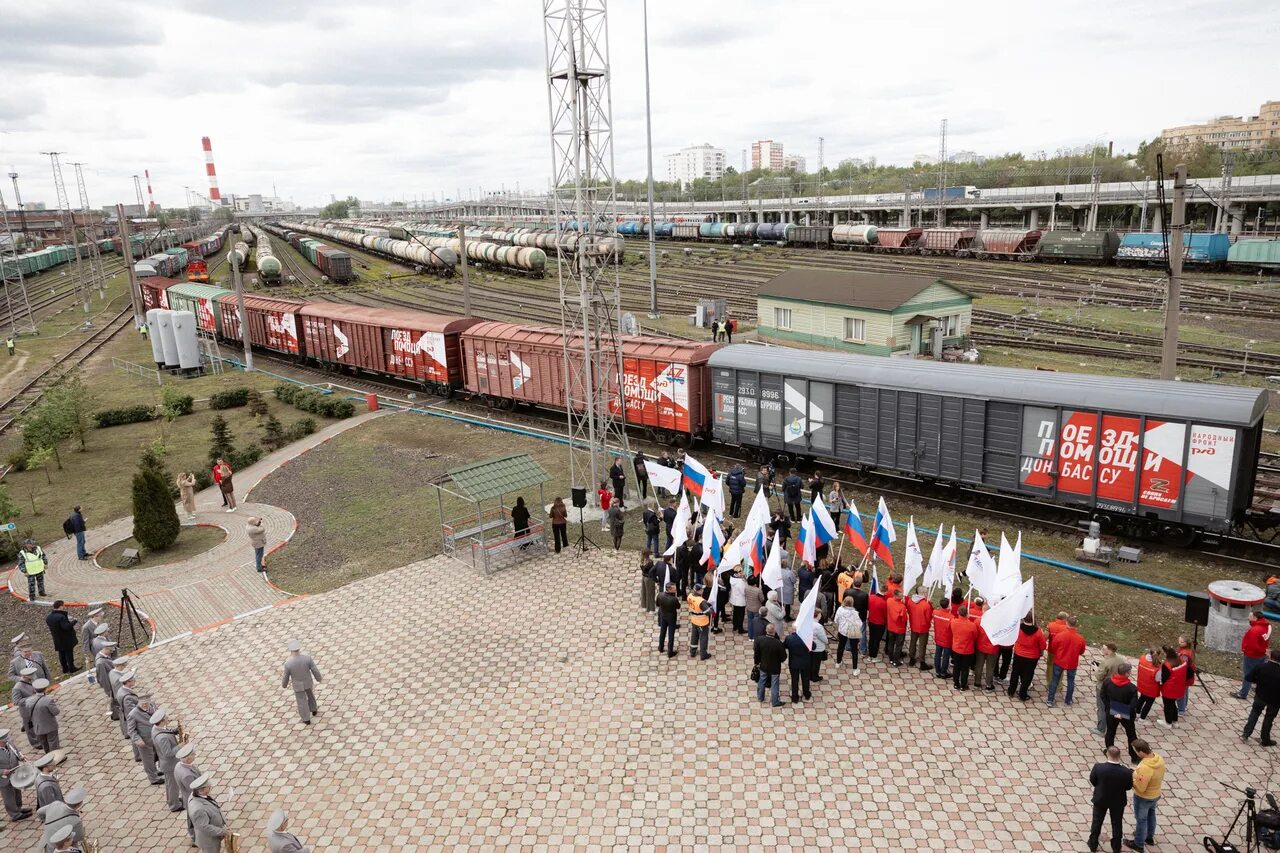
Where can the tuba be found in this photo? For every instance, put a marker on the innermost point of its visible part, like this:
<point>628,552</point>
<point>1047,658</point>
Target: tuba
<point>23,776</point>
<point>231,842</point>
<point>88,846</point>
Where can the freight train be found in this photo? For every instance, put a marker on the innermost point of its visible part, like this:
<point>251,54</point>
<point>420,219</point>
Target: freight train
<point>198,250</point>
<point>269,269</point>
<point>439,259</point>
<point>1150,458</point>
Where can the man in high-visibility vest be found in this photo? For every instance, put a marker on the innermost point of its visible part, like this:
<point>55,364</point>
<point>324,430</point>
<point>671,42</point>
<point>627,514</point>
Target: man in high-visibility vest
<point>699,622</point>
<point>9,343</point>
<point>32,563</point>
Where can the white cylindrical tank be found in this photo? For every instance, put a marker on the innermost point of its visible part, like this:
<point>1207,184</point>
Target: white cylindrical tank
<point>153,335</point>
<point>185,333</point>
<point>169,344</point>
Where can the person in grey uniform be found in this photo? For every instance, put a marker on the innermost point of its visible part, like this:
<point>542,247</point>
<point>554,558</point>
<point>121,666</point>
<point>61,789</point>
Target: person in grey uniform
<point>300,669</point>
<point>206,816</point>
<point>18,696</point>
<point>25,657</point>
<point>63,841</point>
<point>44,716</point>
<point>138,725</point>
<point>63,814</point>
<point>48,789</point>
<point>10,758</point>
<point>279,839</point>
<point>103,663</point>
<point>101,636</point>
<point>164,737</point>
<point>184,773</point>
<point>126,701</point>
<point>87,633</point>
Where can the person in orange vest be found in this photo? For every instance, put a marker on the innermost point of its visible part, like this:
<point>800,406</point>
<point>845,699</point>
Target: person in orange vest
<point>919,618</point>
<point>942,617</point>
<point>1148,687</point>
<point>1172,678</point>
<point>895,626</point>
<point>964,639</point>
<point>1027,650</point>
<point>976,608</point>
<point>699,622</point>
<point>1188,656</point>
<point>877,619</point>
<point>1254,648</point>
<point>984,670</point>
<point>844,580</point>
<point>1065,647</point>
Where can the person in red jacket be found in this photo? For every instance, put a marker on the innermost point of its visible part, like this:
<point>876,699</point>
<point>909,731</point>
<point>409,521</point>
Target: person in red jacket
<point>957,601</point>
<point>976,609</point>
<point>1254,648</point>
<point>1172,679</point>
<point>877,618</point>
<point>1148,687</point>
<point>964,640</point>
<point>1065,647</point>
<point>1026,654</point>
<point>984,668</point>
<point>919,618</point>
<point>942,617</point>
<point>1188,656</point>
<point>894,583</point>
<point>1059,622</point>
<point>896,626</point>
<point>217,480</point>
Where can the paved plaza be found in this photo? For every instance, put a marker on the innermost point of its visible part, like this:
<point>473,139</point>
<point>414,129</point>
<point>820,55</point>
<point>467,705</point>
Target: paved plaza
<point>529,709</point>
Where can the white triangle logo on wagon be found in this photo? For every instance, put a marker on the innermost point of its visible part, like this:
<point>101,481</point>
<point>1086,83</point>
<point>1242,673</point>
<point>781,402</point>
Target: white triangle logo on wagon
<point>344,345</point>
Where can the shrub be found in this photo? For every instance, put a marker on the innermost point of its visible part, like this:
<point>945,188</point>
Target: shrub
<point>233,398</point>
<point>309,400</point>
<point>155,517</point>
<point>257,405</point>
<point>302,428</point>
<point>18,460</point>
<point>204,479</point>
<point>127,415</point>
<point>285,391</point>
<point>220,446</point>
<point>339,408</point>
<point>241,459</point>
<point>273,435</point>
<point>176,403</point>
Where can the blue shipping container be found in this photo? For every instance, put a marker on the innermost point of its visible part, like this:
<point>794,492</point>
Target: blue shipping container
<point>1197,248</point>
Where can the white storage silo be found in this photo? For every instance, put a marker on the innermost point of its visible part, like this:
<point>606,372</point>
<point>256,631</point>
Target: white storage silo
<point>185,333</point>
<point>164,322</point>
<point>153,335</point>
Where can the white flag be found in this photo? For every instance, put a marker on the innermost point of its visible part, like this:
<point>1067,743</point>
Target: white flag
<point>735,552</point>
<point>1008,570</point>
<point>981,569</point>
<point>771,576</point>
<point>680,527</point>
<point>1001,622</point>
<point>913,566</point>
<point>711,533</point>
<point>934,572</point>
<point>663,477</point>
<point>806,625</point>
<point>758,517</point>
<point>949,563</point>
<point>713,495</point>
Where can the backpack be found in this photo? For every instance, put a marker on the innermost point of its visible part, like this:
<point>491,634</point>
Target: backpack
<point>67,527</point>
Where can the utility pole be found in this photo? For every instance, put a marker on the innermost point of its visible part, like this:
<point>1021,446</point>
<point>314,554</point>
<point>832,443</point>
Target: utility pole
<point>1142,217</point>
<point>137,188</point>
<point>1224,205</point>
<point>1169,350</point>
<point>17,200</point>
<point>942,176</point>
<point>94,257</point>
<point>64,204</point>
<point>15,286</point>
<point>233,259</point>
<point>822,213</point>
<point>135,292</point>
<point>466,281</point>
<point>648,132</point>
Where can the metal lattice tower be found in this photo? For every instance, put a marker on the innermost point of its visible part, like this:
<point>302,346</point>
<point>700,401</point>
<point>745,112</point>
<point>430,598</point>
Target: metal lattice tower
<point>94,256</point>
<point>64,203</point>
<point>576,34</point>
<point>17,199</point>
<point>15,286</point>
<point>942,175</point>
<point>137,188</point>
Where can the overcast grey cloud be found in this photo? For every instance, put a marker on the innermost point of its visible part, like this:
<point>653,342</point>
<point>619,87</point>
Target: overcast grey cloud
<point>399,99</point>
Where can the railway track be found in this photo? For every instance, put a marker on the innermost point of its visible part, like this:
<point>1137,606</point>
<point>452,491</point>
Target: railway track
<point>29,394</point>
<point>58,291</point>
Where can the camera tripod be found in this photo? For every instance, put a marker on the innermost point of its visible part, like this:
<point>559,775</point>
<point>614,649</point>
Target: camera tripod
<point>129,613</point>
<point>1249,811</point>
<point>584,543</point>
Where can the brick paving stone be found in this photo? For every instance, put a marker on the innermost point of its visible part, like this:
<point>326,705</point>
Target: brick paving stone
<point>527,710</point>
<point>210,587</point>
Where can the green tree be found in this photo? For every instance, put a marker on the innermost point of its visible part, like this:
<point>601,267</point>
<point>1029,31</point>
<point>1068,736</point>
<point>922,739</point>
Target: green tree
<point>257,405</point>
<point>339,209</point>
<point>221,446</point>
<point>39,458</point>
<point>155,516</point>
<point>222,214</point>
<point>9,510</point>
<point>45,425</point>
<point>74,403</point>
<point>273,434</point>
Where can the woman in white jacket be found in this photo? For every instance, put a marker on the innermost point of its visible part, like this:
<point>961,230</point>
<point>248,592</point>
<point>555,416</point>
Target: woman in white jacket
<point>849,627</point>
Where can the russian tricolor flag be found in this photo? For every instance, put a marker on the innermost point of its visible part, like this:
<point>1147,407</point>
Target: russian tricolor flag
<point>853,529</point>
<point>883,535</point>
<point>824,526</point>
<point>757,552</point>
<point>712,542</point>
<point>695,476</point>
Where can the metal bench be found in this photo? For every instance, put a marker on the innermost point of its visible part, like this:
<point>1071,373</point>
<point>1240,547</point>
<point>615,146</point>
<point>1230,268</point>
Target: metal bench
<point>128,557</point>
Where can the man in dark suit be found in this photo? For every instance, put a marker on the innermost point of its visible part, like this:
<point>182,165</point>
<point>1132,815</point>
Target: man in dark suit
<point>668,609</point>
<point>769,655</point>
<point>1111,782</point>
<point>798,658</point>
<point>1266,699</point>
<point>63,630</point>
<point>669,520</point>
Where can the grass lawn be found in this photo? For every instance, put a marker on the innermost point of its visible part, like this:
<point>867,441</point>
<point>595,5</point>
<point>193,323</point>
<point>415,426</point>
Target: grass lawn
<point>100,477</point>
<point>18,617</point>
<point>364,505</point>
<point>192,540</point>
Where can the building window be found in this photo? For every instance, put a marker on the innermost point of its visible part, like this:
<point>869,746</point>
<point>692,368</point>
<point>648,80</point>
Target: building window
<point>782,318</point>
<point>855,329</point>
<point>950,325</point>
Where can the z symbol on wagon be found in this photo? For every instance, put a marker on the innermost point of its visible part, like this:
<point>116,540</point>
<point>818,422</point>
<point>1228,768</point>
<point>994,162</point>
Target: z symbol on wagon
<point>344,345</point>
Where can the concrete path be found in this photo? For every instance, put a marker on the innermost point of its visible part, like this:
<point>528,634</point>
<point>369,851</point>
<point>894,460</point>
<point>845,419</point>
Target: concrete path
<point>205,590</point>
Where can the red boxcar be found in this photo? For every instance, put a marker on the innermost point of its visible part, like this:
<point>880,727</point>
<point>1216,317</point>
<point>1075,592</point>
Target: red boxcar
<point>390,341</point>
<point>154,291</point>
<point>897,239</point>
<point>1005,242</point>
<point>273,322</point>
<point>946,241</point>
<point>664,380</point>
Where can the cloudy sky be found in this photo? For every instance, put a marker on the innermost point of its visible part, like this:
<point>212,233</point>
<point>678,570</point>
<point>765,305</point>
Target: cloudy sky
<point>404,99</point>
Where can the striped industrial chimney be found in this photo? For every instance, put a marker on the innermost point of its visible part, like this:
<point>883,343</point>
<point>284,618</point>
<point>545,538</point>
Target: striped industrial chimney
<point>150,196</point>
<point>214,195</point>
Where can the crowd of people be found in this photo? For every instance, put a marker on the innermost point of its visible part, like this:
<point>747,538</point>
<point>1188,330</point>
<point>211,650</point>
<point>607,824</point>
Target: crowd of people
<point>157,740</point>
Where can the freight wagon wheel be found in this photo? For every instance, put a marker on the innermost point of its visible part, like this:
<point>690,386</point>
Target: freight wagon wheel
<point>1178,535</point>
